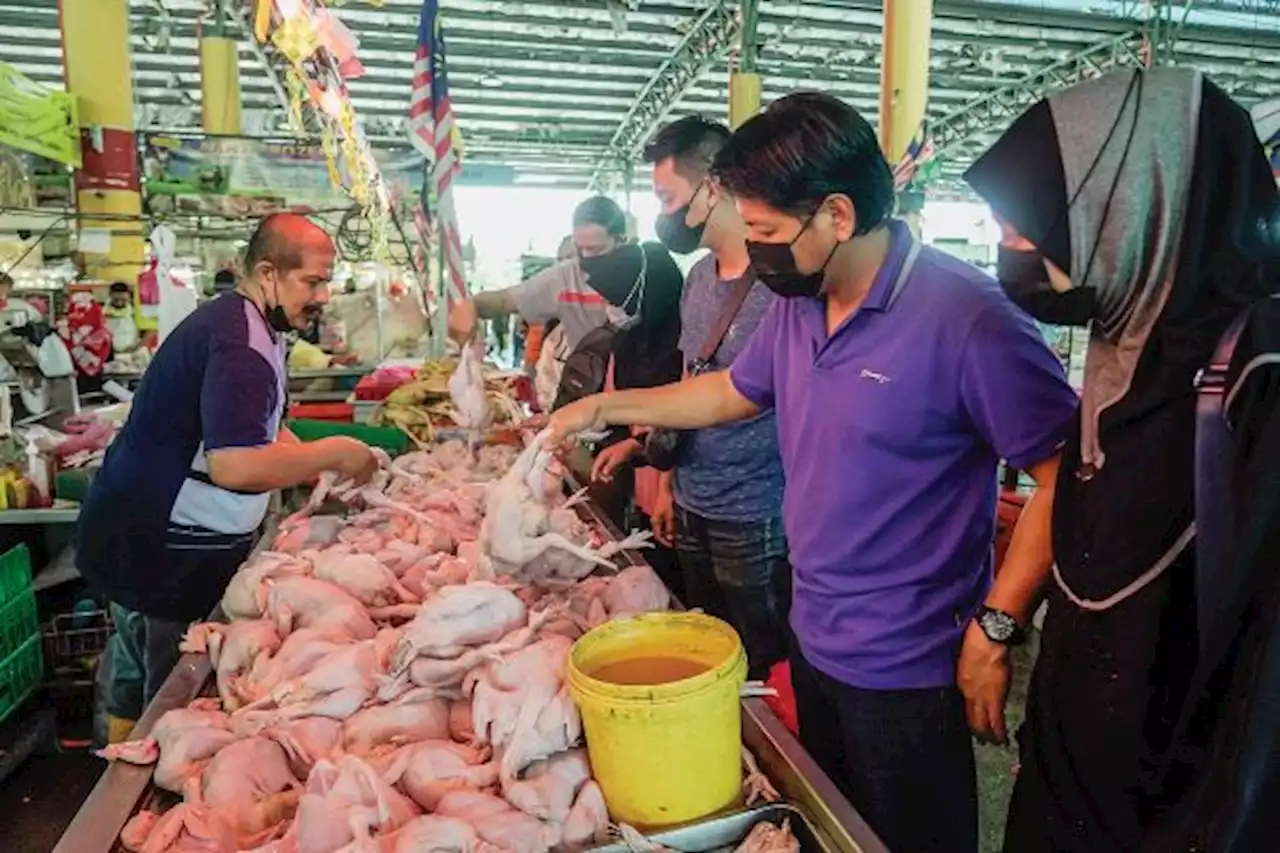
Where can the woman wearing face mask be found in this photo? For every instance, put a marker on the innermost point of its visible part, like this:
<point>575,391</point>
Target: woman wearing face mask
<point>1120,213</point>
<point>900,377</point>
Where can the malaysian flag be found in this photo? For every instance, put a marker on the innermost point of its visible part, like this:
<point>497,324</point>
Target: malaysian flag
<point>433,132</point>
<point>919,152</point>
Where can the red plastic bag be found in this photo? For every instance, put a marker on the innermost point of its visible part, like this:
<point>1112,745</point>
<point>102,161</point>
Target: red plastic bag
<point>85,333</point>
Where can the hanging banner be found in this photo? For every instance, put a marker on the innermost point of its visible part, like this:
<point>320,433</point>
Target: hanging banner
<point>236,176</point>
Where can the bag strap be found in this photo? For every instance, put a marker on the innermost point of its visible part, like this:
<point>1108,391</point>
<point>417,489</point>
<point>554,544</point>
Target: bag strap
<point>727,315</point>
<point>1214,478</point>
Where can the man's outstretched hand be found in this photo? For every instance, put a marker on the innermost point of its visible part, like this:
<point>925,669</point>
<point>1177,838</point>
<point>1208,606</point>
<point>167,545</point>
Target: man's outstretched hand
<point>566,423</point>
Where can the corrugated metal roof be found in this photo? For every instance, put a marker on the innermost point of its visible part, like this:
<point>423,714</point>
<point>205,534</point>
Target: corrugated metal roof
<point>542,86</point>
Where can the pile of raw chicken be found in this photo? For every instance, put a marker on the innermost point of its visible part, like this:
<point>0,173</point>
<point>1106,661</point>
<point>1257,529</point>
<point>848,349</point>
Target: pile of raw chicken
<point>393,680</point>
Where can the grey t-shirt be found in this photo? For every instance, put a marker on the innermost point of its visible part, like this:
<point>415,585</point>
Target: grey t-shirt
<point>733,472</point>
<point>561,292</point>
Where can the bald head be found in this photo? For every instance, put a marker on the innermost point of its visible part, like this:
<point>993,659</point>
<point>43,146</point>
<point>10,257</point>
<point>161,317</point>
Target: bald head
<point>290,260</point>
<point>282,239</point>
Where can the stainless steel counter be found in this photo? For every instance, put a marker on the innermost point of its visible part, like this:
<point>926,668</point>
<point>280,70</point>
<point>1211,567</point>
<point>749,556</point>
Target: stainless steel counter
<point>124,789</point>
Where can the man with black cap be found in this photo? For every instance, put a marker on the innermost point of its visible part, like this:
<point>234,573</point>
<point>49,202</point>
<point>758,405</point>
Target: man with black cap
<point>185,485</point>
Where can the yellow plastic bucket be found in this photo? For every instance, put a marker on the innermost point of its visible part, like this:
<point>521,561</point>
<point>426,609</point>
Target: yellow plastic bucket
<point>663,753</point>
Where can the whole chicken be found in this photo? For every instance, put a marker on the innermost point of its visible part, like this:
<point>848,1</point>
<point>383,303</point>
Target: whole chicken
<point>458,617</point>
<point>243,597</point>
<point>183,740</point>
<point>233,648</point>
<point>434,834</point>
<point>338,794</point>
<point>588,820</point>
<point>429,770</point>
<point>309,603</point>
<point>192,826</point>
<point>550,787</point>
<point>297,654</point>
<point>466,389</point>
<point>250,785</point>
<point>521,706</point>
<point>359,574</point>
<point>337,686</point>
<point>301,532</point>
<point>307,741</point>
<point>498,823</point>
<point>396,723</point>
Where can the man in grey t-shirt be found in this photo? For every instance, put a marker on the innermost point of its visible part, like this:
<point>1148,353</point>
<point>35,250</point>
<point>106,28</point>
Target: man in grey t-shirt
<point>559,292</point>
<point>722,505</point>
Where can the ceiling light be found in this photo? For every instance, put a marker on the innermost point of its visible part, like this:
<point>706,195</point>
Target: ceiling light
<point>489,80</point>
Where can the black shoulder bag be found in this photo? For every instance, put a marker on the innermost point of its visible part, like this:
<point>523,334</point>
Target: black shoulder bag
<point>663,447</point>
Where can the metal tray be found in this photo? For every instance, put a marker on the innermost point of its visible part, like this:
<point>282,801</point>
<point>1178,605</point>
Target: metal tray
<point>728,831</point>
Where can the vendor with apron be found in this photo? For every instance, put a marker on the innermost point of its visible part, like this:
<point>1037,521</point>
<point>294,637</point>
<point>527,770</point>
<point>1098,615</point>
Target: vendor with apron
<point>184,488</point>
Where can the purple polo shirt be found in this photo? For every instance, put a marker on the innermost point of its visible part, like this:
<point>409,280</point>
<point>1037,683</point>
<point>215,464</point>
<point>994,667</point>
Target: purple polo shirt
<point>890,433</point>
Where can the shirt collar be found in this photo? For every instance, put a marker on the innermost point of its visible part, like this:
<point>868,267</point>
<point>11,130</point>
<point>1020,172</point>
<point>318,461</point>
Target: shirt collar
<point>886,284</point>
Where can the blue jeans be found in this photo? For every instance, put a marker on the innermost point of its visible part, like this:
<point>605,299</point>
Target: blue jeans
<point>738,572</point>
<point>903,758</point>
<point>138,658</point>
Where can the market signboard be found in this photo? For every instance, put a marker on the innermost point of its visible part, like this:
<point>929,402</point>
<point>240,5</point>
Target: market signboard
<point>236,176</point>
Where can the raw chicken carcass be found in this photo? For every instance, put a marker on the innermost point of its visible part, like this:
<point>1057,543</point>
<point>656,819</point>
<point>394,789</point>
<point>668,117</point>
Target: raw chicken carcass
<point>498,823</point>
<point>588,820</point>
<point>432,834</point>
<point>338,794</point>
<point>192,826</point>
<point>396,723</point>
<point>550,787</point>
<point>427,771</point>
<point>309,603</point>
<point>307,741</point>
<point>521,706</point>
<point>337,686</point>
<point>460,728</point>
<point>183,740</point>
<point>243,597</point>
<point>466,388</point>
<point>233,648</point>
<point>359,574</point>
<point>635,590</point>
<point>766,837</point>
<point>298,654</point>
<point>458,617</point>
<point>250,785</point>
<point>300,533</point>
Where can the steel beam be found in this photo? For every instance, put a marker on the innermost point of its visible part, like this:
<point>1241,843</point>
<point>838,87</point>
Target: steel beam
<point>714,31</point>
<point>1002,105</point>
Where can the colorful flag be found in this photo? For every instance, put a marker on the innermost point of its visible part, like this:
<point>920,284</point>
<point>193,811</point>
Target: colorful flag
<point>433,132</point>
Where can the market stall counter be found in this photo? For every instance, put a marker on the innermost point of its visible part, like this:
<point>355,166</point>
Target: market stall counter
<point>811,808</point>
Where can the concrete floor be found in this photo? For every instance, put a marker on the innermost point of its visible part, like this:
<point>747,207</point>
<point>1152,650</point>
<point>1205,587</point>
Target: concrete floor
<point>41,797</point>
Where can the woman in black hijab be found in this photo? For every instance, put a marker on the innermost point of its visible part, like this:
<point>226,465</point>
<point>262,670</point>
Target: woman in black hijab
<point>1121,214</point>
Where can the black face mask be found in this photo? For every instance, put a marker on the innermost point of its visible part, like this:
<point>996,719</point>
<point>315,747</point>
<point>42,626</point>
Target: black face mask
<point>677,236</point>
<point>1026,282</point>
<point>275,315</point>
<point>775,265</point>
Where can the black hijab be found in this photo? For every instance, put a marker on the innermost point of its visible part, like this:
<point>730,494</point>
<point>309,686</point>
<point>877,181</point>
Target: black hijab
<point>642,279</point>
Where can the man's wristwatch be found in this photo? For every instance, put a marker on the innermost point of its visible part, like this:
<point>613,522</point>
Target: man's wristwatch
<point>1000,627</point>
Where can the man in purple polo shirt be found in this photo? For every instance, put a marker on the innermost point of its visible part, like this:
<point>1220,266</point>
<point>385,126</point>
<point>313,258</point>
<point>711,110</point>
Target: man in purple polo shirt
<point>900,377</point>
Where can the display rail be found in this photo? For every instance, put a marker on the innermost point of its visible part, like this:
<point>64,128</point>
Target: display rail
<point>123,789</point>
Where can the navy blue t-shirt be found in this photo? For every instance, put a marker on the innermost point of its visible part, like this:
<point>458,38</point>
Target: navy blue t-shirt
<point>217,382</point>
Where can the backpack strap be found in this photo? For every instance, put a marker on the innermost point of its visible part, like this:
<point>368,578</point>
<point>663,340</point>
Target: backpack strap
<point>727,315</point>
<point>1214,478</point>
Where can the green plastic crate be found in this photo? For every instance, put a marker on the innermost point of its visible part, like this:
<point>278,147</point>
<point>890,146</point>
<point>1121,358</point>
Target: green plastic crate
<point>18,621</point>
<point>390,439</point>
<point>15,573</point>
<point>20,674</point>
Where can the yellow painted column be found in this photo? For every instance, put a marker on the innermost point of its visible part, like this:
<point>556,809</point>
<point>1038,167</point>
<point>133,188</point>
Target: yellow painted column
<point>744,84</point>
<point>219,78</point>
<point>904,74</point>
<point>98,72</point>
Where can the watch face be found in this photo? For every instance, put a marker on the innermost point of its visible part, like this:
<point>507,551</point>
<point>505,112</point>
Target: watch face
<point>999,627</point>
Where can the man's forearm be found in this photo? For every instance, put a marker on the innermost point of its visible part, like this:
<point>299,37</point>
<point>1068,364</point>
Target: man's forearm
<point>495,303</point>
<point>703,401</point>
<point>1029,558</point>
<point>274,466</point>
